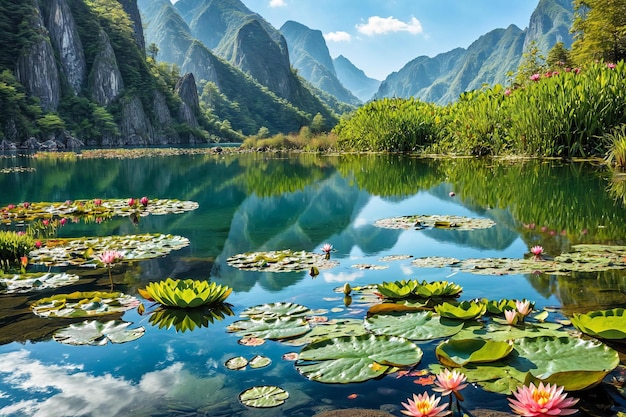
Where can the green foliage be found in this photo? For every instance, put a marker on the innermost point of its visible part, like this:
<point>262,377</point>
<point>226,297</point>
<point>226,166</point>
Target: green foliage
<point>533,62</point>
<point>17,31</point>
<point>394,125</point>
<point>16,106</point>
<point>558,57</point>
<point>600,30</point>
<point>186,293</point>
<point>13,246</point>
<point>50,123</point>
<point>616,144</point>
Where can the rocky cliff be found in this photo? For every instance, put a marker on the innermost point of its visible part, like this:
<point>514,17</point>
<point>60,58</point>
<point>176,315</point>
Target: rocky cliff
<point>82,65</point>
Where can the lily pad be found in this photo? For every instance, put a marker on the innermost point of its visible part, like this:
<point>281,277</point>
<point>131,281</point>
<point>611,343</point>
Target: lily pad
<point>502,332</point>
<point>237,363</point>
<point>460,352</point>
<point>372,267</point>
<point>434,262</point>
<point>84,304</point>
<point>281,261</point>
<point>465,310</point>
<point>82,251</point>
<point>189,318</point>
<point>276,310</point>
<point>95,333</point>
<point>21,283</point>
<point>271,328</point>
<point>419,222</point>
<point>95,207</point>
<point>329,330</point>
<point>413,325</point>
<point>570,362</point>
<point>602,324</point>
<point>186,293</point>
<point>350,359</point>
<point>266,396</point>
<point>259,362</point>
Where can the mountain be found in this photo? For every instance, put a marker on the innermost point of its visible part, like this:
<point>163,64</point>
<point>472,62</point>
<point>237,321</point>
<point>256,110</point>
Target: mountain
<point>226,90</point>
<point>309,55</point>
<point>488,60</point>
<point>355,80</point>
<point>74,72</point>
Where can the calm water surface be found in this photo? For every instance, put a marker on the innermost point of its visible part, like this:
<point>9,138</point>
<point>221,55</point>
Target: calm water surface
<point>269,202</point>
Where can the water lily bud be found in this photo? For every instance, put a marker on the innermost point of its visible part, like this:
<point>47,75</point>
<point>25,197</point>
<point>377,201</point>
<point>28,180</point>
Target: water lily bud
<point>346,289</point>
<point>144,201</point>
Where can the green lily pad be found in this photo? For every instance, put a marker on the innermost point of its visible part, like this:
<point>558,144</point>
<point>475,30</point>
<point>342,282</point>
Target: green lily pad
<point>460,352</point>
<point>434,262</point>
<point>82,251</point>
<point>237,363</point>
<point>95,333</point>
<point>570,362</point>
<point>183,319</point>
<point>259,362</point>
<point>281,261</point>
<point>502,332</point>
<point>370,267</point>
<point>271,328</point>
<point>329,330</point>
<point>498,307</point>
<point>400,290</point>
<point>96,207</point>
<point>266,396</point>
<point>413,325</point>
<point>350,359</point>
<point>602,324</point>
<point>21,283</point>
<point>276,310</point>
<point>419,222</point>
<point>465,310</point>
<point>84,304</point>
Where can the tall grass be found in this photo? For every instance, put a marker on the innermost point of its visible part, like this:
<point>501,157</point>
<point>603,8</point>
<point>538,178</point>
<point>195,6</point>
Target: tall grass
<point>562,114</point>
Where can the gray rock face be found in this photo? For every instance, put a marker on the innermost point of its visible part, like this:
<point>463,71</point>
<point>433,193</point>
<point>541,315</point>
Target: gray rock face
<point>187,91</point>
<point>130,7</point>
<point>161,110</point>
<point>136,128</point>
<point>105,79</point>
<point>36,69</point>
<point>65,39</point>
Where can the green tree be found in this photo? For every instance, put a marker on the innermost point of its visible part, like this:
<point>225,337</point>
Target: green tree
<point>153,50</point>
<point>50,123</point>
<point>318,123</point>
<point>600,31</point>
<point>263,132</point>
<point>558,57</point>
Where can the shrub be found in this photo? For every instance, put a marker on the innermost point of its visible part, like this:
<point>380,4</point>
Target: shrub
<point>13,246</point>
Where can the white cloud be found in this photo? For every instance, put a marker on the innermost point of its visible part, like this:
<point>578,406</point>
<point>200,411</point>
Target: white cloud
<point>342,277</point>
<point>277,3</point>
<point>377,25</point>
<point>338,37</point>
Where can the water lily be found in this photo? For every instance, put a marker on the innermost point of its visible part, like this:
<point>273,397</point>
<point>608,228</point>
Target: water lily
<point>327,248</point>
<point>108,257</point>
<point>38,244</point>
<point>132,202</point>
<point>511,317</point>
<point>523,307</point>
<point>542,401</point>
<point>450,383</point>
<point>63,221</point>
<point>45,222</point>
<point>536,251</point>
<point>144,201</point>
<point>423,405</point>
<point>26,204</point>
<point>97,202</point>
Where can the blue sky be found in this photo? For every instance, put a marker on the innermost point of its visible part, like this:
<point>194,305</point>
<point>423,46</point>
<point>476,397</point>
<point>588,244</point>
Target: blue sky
<point>381,36</point>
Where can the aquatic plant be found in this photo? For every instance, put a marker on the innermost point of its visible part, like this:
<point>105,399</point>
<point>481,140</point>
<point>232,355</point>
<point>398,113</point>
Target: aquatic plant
<point>536,251</point>
<point>185,293</point>
<point>13,246</point>
<point>542,401</point>
<point>450,383</point>
<point>602,324</point>
<point>424,405</point>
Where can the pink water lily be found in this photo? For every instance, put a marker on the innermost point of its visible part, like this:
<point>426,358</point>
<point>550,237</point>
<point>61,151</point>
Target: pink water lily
<point>536,251</point>
<point>110,256</point>
<point>523,307</point>
<point>542,401</point>
<point>511,317</point>
<point>423,405</point>
<point>144,201</point>
<point>327,248</point>
<point>450,382</point>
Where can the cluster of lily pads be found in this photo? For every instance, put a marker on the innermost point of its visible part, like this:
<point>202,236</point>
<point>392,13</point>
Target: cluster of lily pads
<point>476,337</point>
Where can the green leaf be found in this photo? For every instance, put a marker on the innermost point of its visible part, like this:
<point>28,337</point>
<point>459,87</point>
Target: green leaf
<point>460,352</point>
<point>356,358</point>
<point>603,324</point>
<point>263,396</point>
<point>95,333</point>
<point>413,325</point>
<point>276,310</point>
<point>272,328</point>
<point>466,310</point>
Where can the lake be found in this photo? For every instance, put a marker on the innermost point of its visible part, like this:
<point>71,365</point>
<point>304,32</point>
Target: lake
<point>266,202</point>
